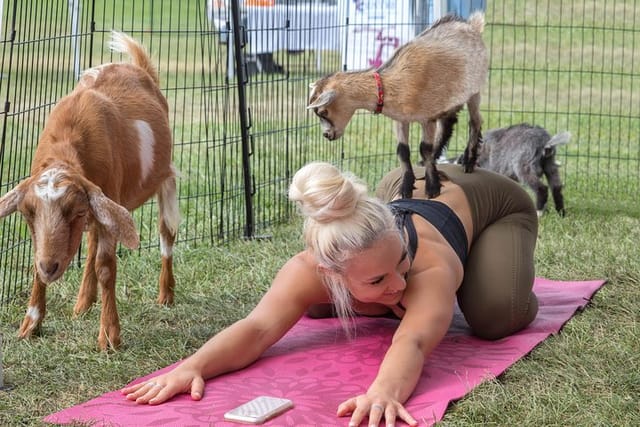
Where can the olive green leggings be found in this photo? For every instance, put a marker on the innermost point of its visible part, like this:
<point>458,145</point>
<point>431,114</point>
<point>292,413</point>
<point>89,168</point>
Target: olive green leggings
<point>495,296</point>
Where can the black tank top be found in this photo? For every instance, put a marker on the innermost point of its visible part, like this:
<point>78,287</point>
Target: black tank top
<point>439,215</point>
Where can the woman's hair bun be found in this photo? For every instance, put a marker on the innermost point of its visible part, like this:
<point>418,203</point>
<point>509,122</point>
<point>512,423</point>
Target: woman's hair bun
<point>324,194</point>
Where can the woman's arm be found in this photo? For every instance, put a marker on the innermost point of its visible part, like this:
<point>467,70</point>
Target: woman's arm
<point>295,287</point>
<point>429,302</point>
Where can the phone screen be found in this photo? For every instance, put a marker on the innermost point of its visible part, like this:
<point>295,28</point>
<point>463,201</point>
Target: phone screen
<point>258,410</point>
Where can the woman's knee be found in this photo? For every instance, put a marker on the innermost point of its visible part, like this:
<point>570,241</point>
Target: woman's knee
<point>498,319</point>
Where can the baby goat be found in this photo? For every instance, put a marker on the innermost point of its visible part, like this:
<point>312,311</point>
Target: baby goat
<point>105,150</point>
<point>428,81</point>
<point>524,153</point>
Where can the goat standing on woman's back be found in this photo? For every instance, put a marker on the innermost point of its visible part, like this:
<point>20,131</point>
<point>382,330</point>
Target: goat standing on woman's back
<point>428,81</point>
<point>105,149</point>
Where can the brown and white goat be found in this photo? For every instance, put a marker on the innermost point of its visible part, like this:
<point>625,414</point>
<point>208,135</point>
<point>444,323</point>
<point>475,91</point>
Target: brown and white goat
<point>105,150</point>
<point>428,80</point>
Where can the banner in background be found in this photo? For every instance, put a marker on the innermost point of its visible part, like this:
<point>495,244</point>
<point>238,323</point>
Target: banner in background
<point>378,27</point>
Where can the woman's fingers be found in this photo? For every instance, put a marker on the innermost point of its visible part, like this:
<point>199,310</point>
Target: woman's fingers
<point>347,407</point>
<point>406,416</point>
<point>197,388</point>
<point>375,414</point>
<point>378,413</point>
<point>357,407</point>
<point>131,388</point>
<point>143,392</point>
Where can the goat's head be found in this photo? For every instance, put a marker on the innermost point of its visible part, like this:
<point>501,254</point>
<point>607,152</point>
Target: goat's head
<point>328,101</point>
<point>58,205</point>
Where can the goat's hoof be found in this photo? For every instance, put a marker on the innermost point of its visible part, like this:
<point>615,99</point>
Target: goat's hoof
<point>407,192</point>
<point>28,328</point>
<point>109,341</point>
<point>165,299</point>
<point>81,307</point>
<point>432,192</point>
<point>407,185</point>
<point>468,168</point>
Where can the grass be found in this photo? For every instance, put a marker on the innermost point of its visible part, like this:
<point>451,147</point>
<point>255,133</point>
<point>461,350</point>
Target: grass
<point>580,77</point>
<point>586,375</point>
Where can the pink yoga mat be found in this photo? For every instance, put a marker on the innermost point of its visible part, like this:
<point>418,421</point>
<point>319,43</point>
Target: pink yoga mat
<point>317,367</point>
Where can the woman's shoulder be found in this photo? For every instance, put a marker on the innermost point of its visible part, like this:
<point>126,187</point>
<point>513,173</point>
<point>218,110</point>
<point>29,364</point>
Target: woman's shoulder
<point>301,275</point>
<point>304,259</point>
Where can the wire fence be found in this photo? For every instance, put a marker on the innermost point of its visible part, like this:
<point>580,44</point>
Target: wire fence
<point>236,77</point>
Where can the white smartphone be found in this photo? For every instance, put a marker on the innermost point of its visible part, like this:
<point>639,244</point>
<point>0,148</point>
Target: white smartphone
<point>258,410</point>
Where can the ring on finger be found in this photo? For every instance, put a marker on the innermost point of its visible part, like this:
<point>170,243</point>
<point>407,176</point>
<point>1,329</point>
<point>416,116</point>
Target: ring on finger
<point>377,406</point>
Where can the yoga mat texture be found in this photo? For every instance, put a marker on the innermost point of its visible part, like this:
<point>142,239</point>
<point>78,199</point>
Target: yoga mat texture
<point>317,367</point>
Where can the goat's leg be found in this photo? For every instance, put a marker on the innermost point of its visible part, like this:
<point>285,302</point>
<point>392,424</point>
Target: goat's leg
<point>106,269</point>
<point>527,175</point>
<point>558,200</point>
<point>404,154</point>
<point>88,292</point>
<point>427,154</point>
<point>432,146</point>
<point>169,219</point>
<point>447,123</point>
<point>470,156</point>
<point>552,173</point>
<point>36,309</point>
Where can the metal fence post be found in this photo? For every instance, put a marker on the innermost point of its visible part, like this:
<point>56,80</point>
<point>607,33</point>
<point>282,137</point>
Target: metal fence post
<point>242,78</point>
<point>1,375</point>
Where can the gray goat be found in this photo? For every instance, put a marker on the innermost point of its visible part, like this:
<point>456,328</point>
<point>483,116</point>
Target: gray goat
<point>524,153</point>
<point>428,80</point>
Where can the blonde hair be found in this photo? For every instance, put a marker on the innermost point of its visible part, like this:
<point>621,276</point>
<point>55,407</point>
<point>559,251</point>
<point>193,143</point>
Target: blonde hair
<point>341,220</point>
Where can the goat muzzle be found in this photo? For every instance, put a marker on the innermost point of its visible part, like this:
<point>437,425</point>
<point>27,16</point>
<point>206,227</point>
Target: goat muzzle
<point>49,270</point>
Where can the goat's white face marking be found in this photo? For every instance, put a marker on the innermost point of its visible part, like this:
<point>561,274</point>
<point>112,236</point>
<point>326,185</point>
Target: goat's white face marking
<point>46,187</point>
<point>33,313</point>
<point>147,142</point>
<point>328,130</point>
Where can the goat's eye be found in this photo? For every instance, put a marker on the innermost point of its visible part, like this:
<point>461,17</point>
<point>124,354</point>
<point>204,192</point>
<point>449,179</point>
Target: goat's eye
<point>321,112</point>
<point>79,213</point>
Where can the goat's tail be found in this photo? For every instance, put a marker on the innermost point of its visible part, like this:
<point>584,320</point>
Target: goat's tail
<point>476,20</point>
<point>559,139</point>
<point>122,43</point>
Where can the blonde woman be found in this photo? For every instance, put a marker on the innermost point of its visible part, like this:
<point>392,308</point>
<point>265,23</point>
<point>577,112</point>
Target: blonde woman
<point>411,258</point>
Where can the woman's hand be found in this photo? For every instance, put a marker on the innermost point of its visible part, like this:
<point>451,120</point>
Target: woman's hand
<point>163,387</point>
<point>376,408</point>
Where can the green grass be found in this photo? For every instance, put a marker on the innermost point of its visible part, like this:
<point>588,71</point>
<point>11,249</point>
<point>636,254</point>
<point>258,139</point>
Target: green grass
<point>586,375</point>
<point>563,65</point>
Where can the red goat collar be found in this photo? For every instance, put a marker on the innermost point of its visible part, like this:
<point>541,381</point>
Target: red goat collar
<point>380,103</point>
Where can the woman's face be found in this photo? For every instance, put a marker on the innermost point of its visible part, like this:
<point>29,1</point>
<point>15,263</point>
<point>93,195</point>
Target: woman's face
<point>378,273</point>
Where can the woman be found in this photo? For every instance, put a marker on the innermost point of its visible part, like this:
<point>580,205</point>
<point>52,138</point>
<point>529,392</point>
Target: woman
<point>409,258</point>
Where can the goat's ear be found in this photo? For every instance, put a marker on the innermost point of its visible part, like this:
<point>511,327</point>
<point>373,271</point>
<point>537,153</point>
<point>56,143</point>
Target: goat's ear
<point>9,202</point>
<point>115,218</point>
<point>325,98</point>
